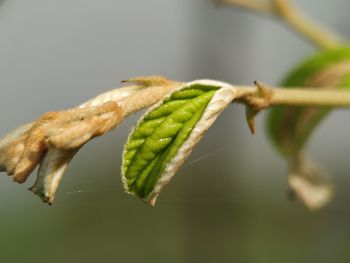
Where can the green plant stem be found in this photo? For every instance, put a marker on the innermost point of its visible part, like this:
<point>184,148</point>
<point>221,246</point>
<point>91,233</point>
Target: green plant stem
<point>261,97</point>
<point>311,98</point>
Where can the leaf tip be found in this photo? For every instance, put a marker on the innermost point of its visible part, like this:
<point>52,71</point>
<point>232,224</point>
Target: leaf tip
<point>45,198</point>
<point>310,185</point>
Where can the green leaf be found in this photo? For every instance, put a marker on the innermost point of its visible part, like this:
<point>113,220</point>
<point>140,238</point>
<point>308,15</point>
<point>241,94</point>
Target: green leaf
<point>290,127</point>
<point>166,134</point>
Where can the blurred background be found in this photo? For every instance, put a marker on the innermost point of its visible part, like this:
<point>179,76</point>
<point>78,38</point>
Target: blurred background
<point>228,202</point>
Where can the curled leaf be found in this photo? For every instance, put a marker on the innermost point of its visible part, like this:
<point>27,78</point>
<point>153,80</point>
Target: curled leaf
<point>290,127</point>
<point>50,173</point>
<point>167,133</point>
<point>52,140</point>
<point>308,182</point>
<point>11,149</point>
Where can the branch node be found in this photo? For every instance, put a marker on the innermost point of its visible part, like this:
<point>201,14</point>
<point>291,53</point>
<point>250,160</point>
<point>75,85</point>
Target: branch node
<point>258,99</point>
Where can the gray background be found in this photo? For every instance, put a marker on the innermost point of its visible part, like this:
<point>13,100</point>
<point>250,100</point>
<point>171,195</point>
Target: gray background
<point>227,204</point>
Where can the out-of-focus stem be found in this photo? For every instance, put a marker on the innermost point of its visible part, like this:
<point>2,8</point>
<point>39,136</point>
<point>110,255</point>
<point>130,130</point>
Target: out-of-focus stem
<point>293,17</point>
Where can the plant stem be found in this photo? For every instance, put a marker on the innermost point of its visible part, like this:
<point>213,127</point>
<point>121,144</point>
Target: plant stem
<point>293,17</point>
<point>334,98</point>
<point>304,26</point>
<point>258,97</point>
<point>262,96</point>
<point>258,6</point>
